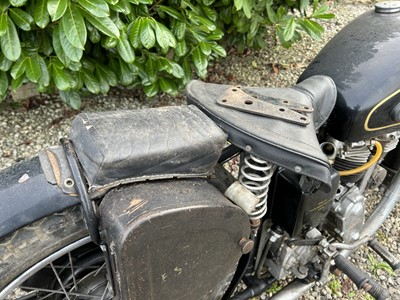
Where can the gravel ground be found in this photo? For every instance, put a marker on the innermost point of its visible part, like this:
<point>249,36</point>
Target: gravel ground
<point>26,131</point>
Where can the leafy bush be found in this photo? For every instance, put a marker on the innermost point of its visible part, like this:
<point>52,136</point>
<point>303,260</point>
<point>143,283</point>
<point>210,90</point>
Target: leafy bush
<point>90,45</point>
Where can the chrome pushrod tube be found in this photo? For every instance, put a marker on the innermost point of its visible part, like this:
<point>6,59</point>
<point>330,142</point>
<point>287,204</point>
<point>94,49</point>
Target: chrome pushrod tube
<point>381,212</point>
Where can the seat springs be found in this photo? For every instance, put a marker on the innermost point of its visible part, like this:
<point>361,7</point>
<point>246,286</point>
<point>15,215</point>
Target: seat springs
<point>255,174</point>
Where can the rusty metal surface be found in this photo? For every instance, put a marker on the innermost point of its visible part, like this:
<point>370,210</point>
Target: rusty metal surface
<point>281,109</point>
<point>57,170</point>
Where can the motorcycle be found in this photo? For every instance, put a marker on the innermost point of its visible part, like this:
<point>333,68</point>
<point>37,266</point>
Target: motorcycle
<point>138,204</point>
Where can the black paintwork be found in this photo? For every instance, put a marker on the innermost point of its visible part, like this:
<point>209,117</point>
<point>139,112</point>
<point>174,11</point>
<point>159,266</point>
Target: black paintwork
<point>176,239</point>
<point>25,202</point>
<point>363,60</point>
<point>300,203</point>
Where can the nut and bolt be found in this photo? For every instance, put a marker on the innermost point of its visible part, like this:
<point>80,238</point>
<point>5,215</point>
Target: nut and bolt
<point>246,245</point>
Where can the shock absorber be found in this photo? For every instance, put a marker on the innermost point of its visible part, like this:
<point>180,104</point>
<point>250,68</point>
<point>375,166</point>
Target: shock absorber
<point>255,174</point>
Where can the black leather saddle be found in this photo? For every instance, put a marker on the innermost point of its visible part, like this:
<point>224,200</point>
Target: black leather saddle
<point>287,135</point>
<point>158,143</point>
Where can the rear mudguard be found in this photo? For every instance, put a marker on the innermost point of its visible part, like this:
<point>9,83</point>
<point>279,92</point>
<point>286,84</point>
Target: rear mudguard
<point>26,196</point>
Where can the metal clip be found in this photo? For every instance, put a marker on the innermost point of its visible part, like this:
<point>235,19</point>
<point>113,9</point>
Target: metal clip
<point>281,109</point>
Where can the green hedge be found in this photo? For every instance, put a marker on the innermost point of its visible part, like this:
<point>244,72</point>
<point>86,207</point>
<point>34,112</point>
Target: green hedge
<point>90,45</point>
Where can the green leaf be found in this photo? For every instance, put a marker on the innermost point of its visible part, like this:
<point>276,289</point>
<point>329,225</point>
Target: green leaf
<point>134,35</point>
<point>74,66</point>
<point>239,4</point>
<point>56,8</point>
<point>151,69</point>
<point>113,2</point>
<point>71,98</point>
<point>147,37</point>
<point>303,5</point>
<point>72,52</point>
<point>279,33</point>
<point>181,49</point>
<point>280,13</point>
<point>199,60</point>
<point>107,73</point>
<point>104,86</point>
<point>151,90</point>
<point>44,44</point>
<point>175,70</point>
<point>4,5</point>
<point>74,27</point>
<point>124,49</point>
<point>3,24</point>
<point>168,86</point>
<point>187,71</point>
<point>270,12</point>
<point>18,3</point>
<point>3,83</point>
<point>216,35</point>
<point>97,8</point>
<point>247,6</point>
<point>289,29</point>
<point>179,30</point>
<point>105,25</point>
<point>10,44</point>
<point>94,35</point>
<point>165,38</point>
<point>40,13</point>
<point>122,6</point>
<point>218,49</point>
<point>109,42</point>
<point>44,79</point>
<point>211,13</point>
<point>60,79</point>
<point>58,49</point>
<point>322,13</point>
<point>22,19</point>
<point>313,29</point>
<point>203,22</point>
<point>172,12</point>
<point>125,75</point>
<point>171,67</point>
<point>18,68</point>
<point>33,70</point>
<point>16,83</point>
<point>5,63</point>
<point>205,48</point>
<point>91,82</point>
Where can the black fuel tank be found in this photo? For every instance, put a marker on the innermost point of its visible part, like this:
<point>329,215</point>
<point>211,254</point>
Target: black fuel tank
<point>363,59</point>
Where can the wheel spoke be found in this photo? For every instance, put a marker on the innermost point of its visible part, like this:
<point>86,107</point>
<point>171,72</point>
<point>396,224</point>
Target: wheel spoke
<point>59,292</point>
<point>59,281</point>
<point>72,271</point>
<point>105,292</point>
<point>98,271</point>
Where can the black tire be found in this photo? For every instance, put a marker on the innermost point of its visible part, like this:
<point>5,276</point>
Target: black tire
<point>29,245</point>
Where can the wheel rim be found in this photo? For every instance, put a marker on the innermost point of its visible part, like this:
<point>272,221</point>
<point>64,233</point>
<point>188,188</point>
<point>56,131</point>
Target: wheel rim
<point>79,279</point>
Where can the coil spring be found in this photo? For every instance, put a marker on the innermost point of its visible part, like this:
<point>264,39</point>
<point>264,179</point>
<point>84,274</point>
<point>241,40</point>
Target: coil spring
<point>255,174</point>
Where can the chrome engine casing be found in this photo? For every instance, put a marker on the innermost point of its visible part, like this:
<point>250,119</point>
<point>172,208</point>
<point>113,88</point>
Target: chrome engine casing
<point>294,260</point>
<point>346,217</point>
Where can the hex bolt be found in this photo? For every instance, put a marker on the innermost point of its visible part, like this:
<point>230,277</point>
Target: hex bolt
<point>246,244</point>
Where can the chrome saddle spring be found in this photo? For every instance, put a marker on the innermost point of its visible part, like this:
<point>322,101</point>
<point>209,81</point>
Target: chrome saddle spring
<point>255,174</point>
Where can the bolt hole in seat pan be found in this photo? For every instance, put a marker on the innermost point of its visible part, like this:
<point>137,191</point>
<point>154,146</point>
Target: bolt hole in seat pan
<point>283,143</point>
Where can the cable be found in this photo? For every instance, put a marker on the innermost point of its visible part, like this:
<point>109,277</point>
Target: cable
<point>365,166</point>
